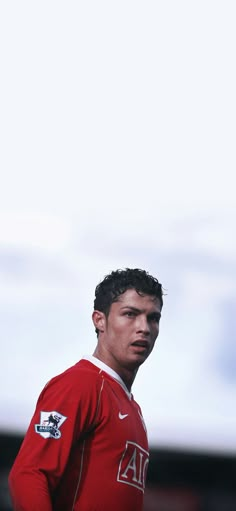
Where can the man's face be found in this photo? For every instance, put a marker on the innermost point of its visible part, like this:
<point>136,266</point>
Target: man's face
<point>130,330</point>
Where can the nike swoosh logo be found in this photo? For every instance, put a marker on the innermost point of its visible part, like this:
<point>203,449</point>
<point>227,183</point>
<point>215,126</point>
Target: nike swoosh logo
<point>122,416</point>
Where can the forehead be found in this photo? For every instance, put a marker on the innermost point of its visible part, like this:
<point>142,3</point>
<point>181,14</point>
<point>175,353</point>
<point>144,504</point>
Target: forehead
<point>131,298</point>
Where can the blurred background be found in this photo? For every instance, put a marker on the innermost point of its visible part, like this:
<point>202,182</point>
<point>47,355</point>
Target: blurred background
<point>118,150</point>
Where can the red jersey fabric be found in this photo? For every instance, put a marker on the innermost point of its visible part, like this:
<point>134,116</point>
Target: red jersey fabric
<point>86,447</point>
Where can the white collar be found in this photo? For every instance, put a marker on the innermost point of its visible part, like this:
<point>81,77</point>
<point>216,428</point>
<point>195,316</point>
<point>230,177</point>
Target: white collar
<point>104,367</point>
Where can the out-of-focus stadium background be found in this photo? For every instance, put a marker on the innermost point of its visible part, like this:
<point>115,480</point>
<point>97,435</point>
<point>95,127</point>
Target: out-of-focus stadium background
<point>118,149</point>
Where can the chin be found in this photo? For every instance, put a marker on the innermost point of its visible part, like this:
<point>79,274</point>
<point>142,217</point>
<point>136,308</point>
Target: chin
<point>137,361</point>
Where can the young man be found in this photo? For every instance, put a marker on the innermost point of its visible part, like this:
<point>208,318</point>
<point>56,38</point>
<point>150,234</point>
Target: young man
<point>86,447</point>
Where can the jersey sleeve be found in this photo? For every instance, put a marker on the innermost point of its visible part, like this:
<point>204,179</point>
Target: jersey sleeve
<point>66,410</point>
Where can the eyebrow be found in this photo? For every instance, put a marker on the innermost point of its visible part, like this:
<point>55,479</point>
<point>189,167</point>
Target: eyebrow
<point>134,309</point>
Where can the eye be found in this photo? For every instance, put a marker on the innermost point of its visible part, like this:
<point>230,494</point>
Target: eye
<point>155,318</point>
<point>130,314</point>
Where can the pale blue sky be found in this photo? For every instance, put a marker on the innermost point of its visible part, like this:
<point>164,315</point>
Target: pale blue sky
<point>118,149</point>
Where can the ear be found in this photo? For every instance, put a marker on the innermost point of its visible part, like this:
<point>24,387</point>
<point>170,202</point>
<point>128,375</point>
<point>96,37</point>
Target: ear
<point>99,320</point>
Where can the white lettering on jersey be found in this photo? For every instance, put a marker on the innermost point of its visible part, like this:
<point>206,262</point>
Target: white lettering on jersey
<point>133,466</point>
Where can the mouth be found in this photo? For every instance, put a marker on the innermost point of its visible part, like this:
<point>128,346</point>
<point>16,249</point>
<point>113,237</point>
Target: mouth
<point>140,345</point>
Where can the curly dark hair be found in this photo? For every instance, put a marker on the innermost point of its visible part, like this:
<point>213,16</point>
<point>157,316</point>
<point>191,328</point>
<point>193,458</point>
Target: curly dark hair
<point>117,282</point>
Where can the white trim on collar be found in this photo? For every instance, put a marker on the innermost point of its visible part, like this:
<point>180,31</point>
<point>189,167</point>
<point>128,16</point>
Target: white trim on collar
<point>95,361</point>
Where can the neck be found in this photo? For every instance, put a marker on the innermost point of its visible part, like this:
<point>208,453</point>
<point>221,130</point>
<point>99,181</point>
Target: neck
<point>127,375</point>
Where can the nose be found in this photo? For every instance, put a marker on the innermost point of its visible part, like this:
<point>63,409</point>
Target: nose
<point>143,324</point>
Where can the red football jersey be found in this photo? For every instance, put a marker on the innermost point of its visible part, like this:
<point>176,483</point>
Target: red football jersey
<point>86,447</point>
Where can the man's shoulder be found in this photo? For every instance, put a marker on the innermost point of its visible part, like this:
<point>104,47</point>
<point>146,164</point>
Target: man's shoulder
<point>81,375</point>
<point>82,369</point>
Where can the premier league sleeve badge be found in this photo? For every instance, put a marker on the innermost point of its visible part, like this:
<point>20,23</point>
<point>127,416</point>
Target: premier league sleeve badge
<point>50,422</point>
